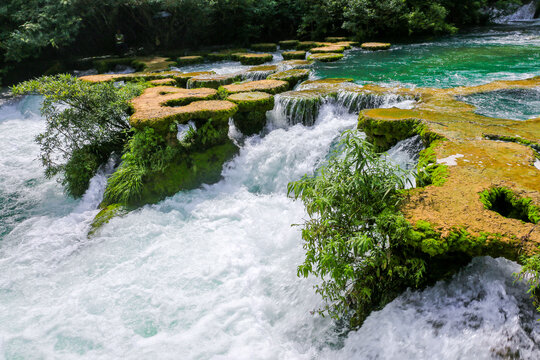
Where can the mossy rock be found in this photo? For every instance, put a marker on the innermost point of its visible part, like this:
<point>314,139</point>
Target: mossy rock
<point>335,39</point>
<point>288,44</point>
<point>373,46</point>
<point>182,79</point>
<point>104,216</point>
<point>264,47</point>
<point>252,101</point>
<point>187,172</point>
<point>137,76</point>
<point>158,107</point>
<point>295,64</point>
<point>302,107</point>
<point>163,82</point>
<point>327,49</point>
<point>255,59</point>
<point>212,80</point>
<point>226,54</point>
<point>346,44</point>
<point>188,60</point>
<point>307,45</point>
<point>250,123</point>
<point>238,55</point>
<point>268,86</point>
<point>294,55</point>
<point>328,57</point>
<point>109,64</point>
<point>293,76</point>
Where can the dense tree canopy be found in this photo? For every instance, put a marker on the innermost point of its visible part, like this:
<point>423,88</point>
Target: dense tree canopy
<point>36,28</point>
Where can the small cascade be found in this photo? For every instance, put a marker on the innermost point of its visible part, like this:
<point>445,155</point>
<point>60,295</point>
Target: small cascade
<point>296,108</point>
<point>256,75</point>
<point>405,154</point>
<point>302,107</point>
<point>93,196</point>
<point>523,13</point>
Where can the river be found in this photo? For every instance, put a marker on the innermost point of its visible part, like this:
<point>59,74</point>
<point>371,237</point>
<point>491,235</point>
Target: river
<point>211,273</point>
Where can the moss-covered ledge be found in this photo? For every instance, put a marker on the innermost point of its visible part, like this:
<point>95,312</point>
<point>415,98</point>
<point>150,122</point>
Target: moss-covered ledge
<point>459,165</point>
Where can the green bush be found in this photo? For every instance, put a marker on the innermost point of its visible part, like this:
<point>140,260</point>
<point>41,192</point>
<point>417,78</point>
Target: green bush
<point>85,123</point>
<point>353,237</point>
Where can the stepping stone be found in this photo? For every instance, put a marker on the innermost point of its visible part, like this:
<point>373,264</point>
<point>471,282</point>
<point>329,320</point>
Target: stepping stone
<point>288,44</point>
<point>293,76</point>
<point>326,57</point>
<point>294,55</point>
<point>212,80</point>
<point>264,47</point>
<point>327,49</point>
<point>187,60</point>
<point>255,59</point>
<point>268,86</point>
<point>373,46</point>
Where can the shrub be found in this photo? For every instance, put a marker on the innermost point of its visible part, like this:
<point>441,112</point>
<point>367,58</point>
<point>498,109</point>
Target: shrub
<point>84,124</point>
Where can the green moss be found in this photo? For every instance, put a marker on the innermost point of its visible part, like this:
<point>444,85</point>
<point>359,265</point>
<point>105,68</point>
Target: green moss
<point>325,57</point>
<point>252,101</point>
<point>104,216</point>
<point>255,59</point>
<point>385,134</point>
<point>288,44</point>
<point>428,171</point>
<point>250,123</point>
<point>187,172</point>
<point>294,55</point>
<point>293,76</point>
<point>212,81</point>
<point>307,45</point>
<point>424,237</point>
<point>187,60</point>
<point>506,203</point>
<point>264,47</point>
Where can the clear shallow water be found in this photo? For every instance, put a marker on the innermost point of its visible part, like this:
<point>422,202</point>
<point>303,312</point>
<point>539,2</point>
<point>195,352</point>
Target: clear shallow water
<point>479,57</point>
<point>517,104</point>
<point>211,273</point>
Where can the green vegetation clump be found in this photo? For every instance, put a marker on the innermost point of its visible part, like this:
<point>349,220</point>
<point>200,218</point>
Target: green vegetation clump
<point>361,246</point>
<point>325,57</point>
<point>85,123</point>
<point>188,60</point>
<point>255,59</point>
<point>505,202</point>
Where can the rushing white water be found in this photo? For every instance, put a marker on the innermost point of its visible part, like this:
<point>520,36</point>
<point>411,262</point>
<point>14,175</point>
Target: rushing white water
<point>523,13</point>
<point>211,273</point>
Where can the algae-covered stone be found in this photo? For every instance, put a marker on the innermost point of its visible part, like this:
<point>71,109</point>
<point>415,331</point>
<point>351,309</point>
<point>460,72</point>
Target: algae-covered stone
<point>159,106</point>
<point>260,72</point>
<point>327,49</point>
<point>307,45</point>
<point>255,59</point>
<point>326,57</point>
<point>252,101</point>
<point>288,44</point>
<point>252,107</point>
<point>459,164</point>
<point>212,80</point>
<point>294,55</point>
<point>268,86</point>
<point>163,82</point>
<point>293,76</point>
<point>264,47</point>
<point>182,79</point>
<point>188,60</point>
<point>373,46</point>
<point>137,76</point>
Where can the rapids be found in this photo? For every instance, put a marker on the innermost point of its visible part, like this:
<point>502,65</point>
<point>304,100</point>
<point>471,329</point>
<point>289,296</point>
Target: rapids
<point>211,273</point>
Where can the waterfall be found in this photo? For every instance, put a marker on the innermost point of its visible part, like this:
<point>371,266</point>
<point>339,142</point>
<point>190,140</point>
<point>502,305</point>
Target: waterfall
<point>302,107</point>
<point>525,12</point>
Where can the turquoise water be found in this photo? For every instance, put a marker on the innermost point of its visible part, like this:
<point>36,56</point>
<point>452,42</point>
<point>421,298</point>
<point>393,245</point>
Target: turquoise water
<point>516,104</point>
<point>477,57</point>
